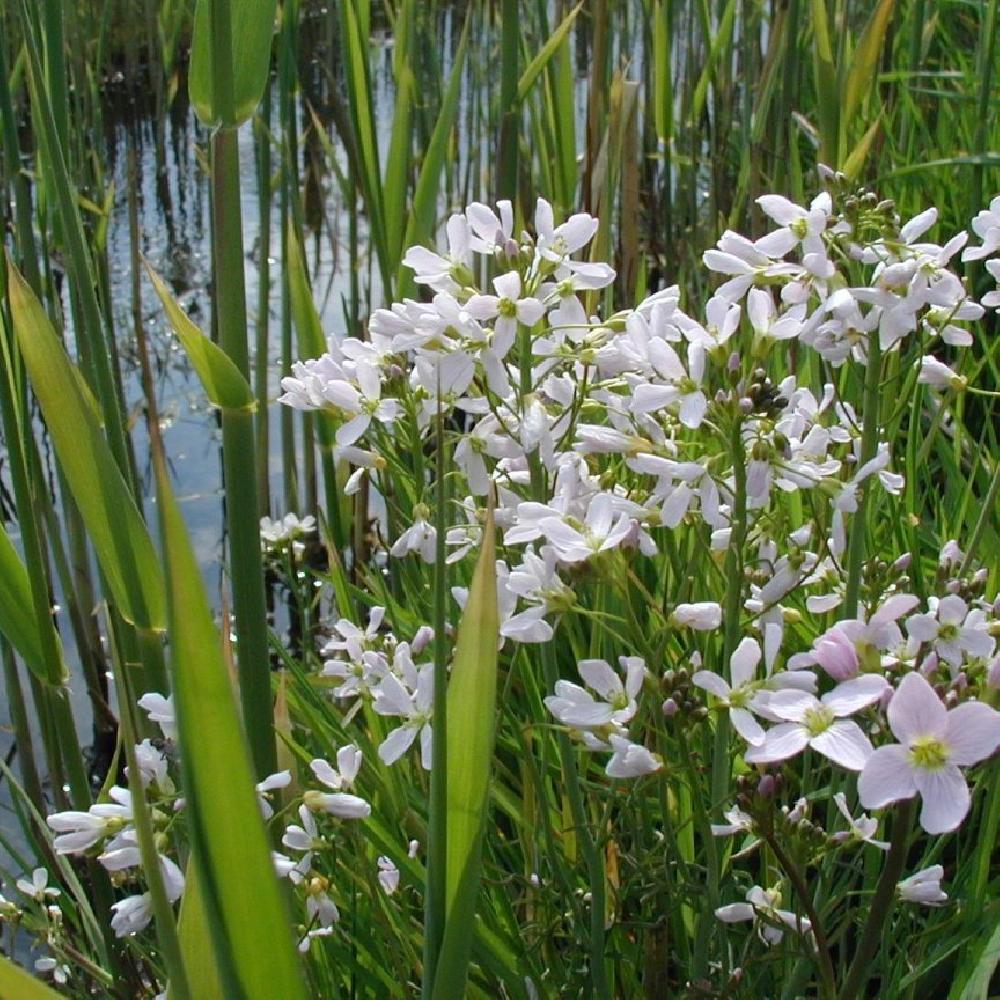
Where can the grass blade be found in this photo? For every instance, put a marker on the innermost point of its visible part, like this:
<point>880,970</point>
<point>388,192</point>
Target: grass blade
<point>15,982</point>
<point>470,722</point>
<point>123,546</point>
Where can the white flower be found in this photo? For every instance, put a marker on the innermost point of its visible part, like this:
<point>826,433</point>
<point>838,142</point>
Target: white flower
<point>392,698</point>
<point>338,803</point>
<point>38,887</point>
<point>160,710</point>
<point>952,629</point>
<point>738,696</point>
<point>862,829</point>
<point>923,887</point>
<point>703,616</point>
<point>77,831</point>
<point>282,779</point>
<point>737,821</point>
<point>575,706</point>
<point>133,913</point>
<point>820,724</point>
<point>937,374</point>
<point>388,875</point>
<point>444,272</point>
<point>934,744</point>
<point>986,225</point>
<point>630,760</point>
<point>600,532</point>
<point>420,537</point>
<point>762,907</point>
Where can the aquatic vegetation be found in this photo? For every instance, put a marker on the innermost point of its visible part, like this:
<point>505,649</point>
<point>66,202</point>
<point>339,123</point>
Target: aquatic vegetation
<point>636,638</point>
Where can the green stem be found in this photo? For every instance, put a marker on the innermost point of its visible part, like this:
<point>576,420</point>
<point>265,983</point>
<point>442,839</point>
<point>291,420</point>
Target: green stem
<point>242,512</point>
<point>869,445</point>
<point>881,905</point>
<point>434,897</point>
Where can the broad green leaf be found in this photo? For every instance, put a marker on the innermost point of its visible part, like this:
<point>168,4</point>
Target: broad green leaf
<point>470,719</point>
<point>223,381</point>
<point>864,65</point>
<point>420,228</point>
<point>196,940</point>
<point>121,542</point>
<point>245,911</point>
<point>17,617</point>
<point>545,53</point>
<point>252,28</point>
<point>17,984</point>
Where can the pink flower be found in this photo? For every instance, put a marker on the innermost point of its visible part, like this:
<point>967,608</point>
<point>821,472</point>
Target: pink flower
<point>820,723</point>
<point>835,653</point>
<point>933,744</point>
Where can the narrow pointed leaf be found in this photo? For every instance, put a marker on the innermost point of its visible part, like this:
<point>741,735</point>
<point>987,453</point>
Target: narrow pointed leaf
<point>17,617</point>
<point>223,382</point>
<point>471,712</point>
<point>253,26</point>
<point>245,911</point>
<point>196,940</point>
<point>121,542</point>
<point>545,53</point>
<point>864,65</point>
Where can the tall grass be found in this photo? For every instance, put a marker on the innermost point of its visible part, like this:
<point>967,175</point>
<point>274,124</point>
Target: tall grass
<point>667,120</point>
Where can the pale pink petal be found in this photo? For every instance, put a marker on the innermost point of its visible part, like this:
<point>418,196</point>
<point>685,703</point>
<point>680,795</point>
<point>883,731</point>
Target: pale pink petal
<point>783,741</point>
<point>743,662</point>
<point>972,733</point>
<point>887,777</point>
<point>845,744</point>
<point>791,704</point>
<point>915,710</point>
<point>747,726</point>
<point>712,683</point>
<point>946,798</point>
<point>855,694</point>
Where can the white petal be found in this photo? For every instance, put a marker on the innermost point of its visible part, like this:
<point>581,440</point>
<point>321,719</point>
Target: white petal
<point>845,744</point>
<point>972,733</point>
<point>853,695</point>
<point>743,662</point>
<point>747,726</point>
<point>783,741</point>
<point>396,744</point>
<point>712,683</point>
<point>887,777</point>
<point>946,798</point>
<point>915,710</point>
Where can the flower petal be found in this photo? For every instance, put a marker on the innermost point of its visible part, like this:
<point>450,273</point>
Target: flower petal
<point>973,732</point>
<point>915,710</point>
<point>783,741</point>
<point>853,695</point>
<point>845,744</point>
<point>946,798</point>
<point>887,777</point>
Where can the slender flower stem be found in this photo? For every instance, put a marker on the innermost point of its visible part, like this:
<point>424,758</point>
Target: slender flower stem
<point>827,975</point>
<point>881,905</point>
<point>869,445</point>
<point>434,896</point>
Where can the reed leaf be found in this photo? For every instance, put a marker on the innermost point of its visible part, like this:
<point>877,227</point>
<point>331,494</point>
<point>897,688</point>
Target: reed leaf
<point>223,382</point>
<point>420,227</point>
<point>245,912</point>
<point>121,542</point>
<point>531,72</point>
<point>252,27</point>
<point>16,983</point>
<point>17,622</point>
<point>864,66</point>
<point>470,724</point>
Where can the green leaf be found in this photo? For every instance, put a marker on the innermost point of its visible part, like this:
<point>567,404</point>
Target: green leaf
<point>975,985</point>
<point>864,65</point>
<point>853,164</point>
<point>223,381</point>
<point>196,940</point>
<point>470,722</point>
<point>17,618</point>
<point>246,914</point>
<point>827,90</point>
<point>252,28</point>
<point>121,542</point>
<point>545,53</point>
<point>308,326</point>
<point>15,982</point>
<point>420,227</point>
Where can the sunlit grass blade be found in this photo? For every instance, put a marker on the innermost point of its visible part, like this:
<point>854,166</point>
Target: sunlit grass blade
<point>471,712</point>
<point>245,911</point>
<point>864,66</point>
<point>541,59</point>
<point>223,382</point>
<point>123,546</point>
<point>252,27</point>
<point>17,622</point>
<point>16,983</point>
